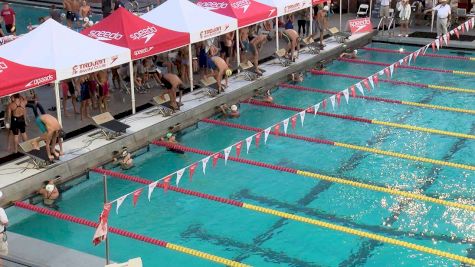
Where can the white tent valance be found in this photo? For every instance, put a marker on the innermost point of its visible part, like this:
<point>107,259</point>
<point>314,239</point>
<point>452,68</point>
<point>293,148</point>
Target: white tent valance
<point>184,16</point>
<point>285,7</point>
<point>54,46</point>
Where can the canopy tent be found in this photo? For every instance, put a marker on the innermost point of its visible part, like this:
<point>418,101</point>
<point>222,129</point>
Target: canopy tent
<point>143,38</point>
<point>285,7</point>
<point>15,78</point>
<point>247,12</point>
<point>70,54</point>
<point>184,16</point>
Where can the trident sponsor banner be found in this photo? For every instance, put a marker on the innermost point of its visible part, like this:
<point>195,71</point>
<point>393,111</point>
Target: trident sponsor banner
<point>360,25</point>
<point>213,32</point>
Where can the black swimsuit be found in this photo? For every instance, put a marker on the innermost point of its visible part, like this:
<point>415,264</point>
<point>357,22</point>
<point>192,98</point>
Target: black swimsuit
<point>18,124</point>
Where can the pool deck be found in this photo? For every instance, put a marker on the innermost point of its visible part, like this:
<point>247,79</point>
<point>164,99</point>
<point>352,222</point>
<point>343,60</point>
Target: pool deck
<point>24,250</point>
<point>90,150</point>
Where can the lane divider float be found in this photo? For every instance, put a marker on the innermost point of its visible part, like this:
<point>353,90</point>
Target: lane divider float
<point>368,62</point>
<point>153,241</point>
<point>420,85</point>
<point>327,178</point>
<point>379,99</point>
<point>298,218</point>
<point>383,50</point>
<point>338,144</point>
<point>364,120</point>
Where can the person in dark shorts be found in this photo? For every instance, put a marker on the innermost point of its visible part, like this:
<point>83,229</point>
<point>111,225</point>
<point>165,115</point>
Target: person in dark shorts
<point>85,96</point>
<point>9,18</point>
<point>16,111</point>
<point>67,87</point>
<point>171,82</point>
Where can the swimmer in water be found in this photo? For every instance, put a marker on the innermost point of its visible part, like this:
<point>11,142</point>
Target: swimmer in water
<point>352,55</point>
<point>123,159</point>
<point>232,112</point>
<point>296,77</point>
<point>170,138</point>
<point>266,97</point>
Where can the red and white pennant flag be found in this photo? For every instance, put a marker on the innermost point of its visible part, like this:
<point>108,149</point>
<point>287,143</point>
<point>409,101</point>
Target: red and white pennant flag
<point>316,108</point>
<point>332,100</point>
<point>151,187</point>
<point>102,229</point>
<point>204,163</point>
<point>248,143</point>
<point>179,174</point>
<point>346,94</point>
<point>192,170</point>
<point>119,202</point>
<point>238,148</point>
<point>286,124</point>
<point>266,134</point>
<point>302,116</point>
<point>227,151</point>
<point>136,196</point>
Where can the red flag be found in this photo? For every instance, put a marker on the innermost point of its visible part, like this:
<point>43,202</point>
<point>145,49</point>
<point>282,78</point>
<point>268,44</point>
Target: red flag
<point>463,29</point>
<point>192,170</point>
<point>215,159</point>
<point>166,182</point>
<point>353,92</point>
<point>457,33</point>
<point>405,60</point>
<point>258,138</point>
<point>376,79</point>
<point>324,104</point>
<point>136,196</point>
<point>276,129</point>
<point>338,98</point>
<point>441,41</point>
<point>386,70</point>
<point>396,65</point>
<point>238,149</point>
<point>366,84</point>
<point>293,120</point>
<point>433,46</point>
<point>101,231</point>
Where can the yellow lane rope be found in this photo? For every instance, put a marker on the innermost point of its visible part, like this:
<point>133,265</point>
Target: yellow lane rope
<point>460,110</point>
<point>450,88</point>
<point>351,231</point>
<point>203,255</point>
<point>469,73</point>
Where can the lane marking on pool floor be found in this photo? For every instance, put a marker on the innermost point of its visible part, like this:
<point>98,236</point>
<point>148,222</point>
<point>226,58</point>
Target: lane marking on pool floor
<point>379,99</point>
<point>327,178</point>
<point>419,85</point>
<point>384,50</point>
<point>345,145</point>
<point>364,120</point>
<point>376,63</point>
<point>293,217</point>
<point>157,242</point>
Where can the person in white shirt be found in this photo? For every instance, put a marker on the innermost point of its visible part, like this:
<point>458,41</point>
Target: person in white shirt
<point>404,9</point>
<point>384,11</point>
<point>3,234</point>
<point>443,16</point>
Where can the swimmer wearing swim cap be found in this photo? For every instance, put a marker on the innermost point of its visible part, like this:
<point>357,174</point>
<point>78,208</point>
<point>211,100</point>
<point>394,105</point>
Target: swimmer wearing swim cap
<point>49,192</point>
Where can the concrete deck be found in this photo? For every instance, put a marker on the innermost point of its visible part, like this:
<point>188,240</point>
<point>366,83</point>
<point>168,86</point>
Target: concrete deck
<point>24,250</point>
<point>90,150</point>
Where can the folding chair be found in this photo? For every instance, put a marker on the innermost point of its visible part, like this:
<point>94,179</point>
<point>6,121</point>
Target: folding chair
<point>39,158</point>
<point>362,11</point>
<point>110,127</point>
<point>163,104</point>
<point>312,46</point>
<point>340,37</point>
<point>281,56</point>
<point>246,71</point>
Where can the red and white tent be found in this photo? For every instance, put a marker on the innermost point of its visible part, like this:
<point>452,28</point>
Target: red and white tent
<point>143,38</point>
<point>247,12</point>
<point>15,78</point>
<point>184,16</point>
<point>285,7</point>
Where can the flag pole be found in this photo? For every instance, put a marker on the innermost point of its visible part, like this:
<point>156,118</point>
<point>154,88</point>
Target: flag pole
<point>104,179</point>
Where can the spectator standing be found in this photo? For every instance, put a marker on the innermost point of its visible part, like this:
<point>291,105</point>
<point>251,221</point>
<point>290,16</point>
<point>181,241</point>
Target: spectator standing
<point>3,231</point>
<point>9,18</point>
<point>404,9</point>
<point>384,12</point>
<point>54,13</point>
<point>301,23</point>
<point>16,111</point>
<point>443,16</point>
<point>289,24</point>
<point>322,22</point>
<point>34,104</point>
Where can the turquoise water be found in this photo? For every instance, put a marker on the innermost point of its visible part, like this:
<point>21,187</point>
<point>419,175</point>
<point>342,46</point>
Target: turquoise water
<point>265,240</point>
<point>30,14</point>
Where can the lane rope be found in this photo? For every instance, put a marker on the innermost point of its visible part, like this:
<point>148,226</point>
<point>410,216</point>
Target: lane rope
<point>364,120</point>
<point>368,62</point>
<point>153,241</point>
<point>420,85</point>
<point>339,144</point>
<point>383,50</point>
<point>294,217</point>
<point>379,99</point>
<point>327,178</point>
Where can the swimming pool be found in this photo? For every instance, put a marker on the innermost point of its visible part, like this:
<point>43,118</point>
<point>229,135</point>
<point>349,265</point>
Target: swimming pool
<point>264,240</point>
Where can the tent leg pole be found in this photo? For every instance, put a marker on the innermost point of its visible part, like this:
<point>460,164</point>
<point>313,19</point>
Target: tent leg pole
<point>58,102</point>
<point>277,33</point>
<point>132,85</point>
<point>341,13</point>
<point>238,53</point>
<point>370,8</point>
<point>190,67</point>
<point>310,30</point>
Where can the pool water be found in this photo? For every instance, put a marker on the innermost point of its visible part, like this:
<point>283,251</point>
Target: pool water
<point>264,240</point>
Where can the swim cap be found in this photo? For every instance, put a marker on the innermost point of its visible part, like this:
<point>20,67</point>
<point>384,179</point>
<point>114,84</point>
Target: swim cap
<point>124,153</point>
<point>234,108</point>
<point>229,72</point>
<point>86,19</point>
<point>63,15</point>
<point>49,188</point>
<point>355,51</point>
<point>169,135</point>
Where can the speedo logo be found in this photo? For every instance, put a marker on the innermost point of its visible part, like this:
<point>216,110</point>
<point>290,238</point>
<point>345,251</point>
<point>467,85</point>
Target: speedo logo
<point>213,5</point>
<point>143,51</point>
<point>105,35</point>
<point>360,24</point>
<point>146,34</point>
<point>292,8</point>
<point>244,4</point>
<point>40,81</point>
<point>3,66</point>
